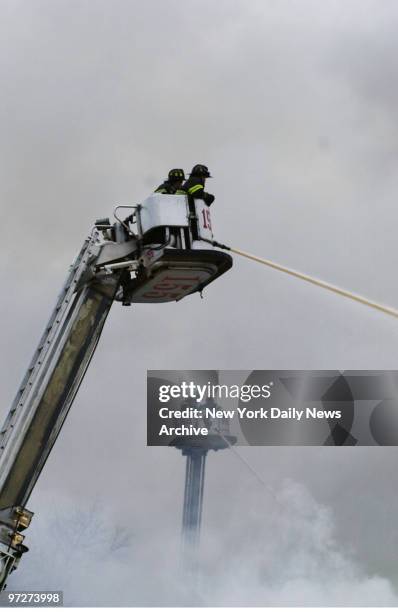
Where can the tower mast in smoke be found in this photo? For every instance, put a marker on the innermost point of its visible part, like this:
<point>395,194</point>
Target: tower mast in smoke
<point>195,449</point>
<point>193,500</point>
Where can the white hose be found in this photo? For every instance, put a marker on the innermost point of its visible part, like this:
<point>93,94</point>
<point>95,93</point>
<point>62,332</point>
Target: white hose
<point>393,312</point>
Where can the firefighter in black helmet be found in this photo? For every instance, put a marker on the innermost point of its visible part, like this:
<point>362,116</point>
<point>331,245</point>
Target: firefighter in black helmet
<point>195,185</point>
<point>173,182</point>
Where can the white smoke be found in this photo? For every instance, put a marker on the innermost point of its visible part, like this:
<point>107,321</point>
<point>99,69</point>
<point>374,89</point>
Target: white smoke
<point>281,551</point>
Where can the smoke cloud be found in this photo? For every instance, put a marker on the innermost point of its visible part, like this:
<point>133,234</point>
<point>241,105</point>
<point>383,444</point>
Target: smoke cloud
<point>281,551</point>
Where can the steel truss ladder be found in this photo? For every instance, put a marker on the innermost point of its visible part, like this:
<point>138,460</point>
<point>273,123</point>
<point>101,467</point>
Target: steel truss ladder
<point>47,344</point>
<point>47,392</point>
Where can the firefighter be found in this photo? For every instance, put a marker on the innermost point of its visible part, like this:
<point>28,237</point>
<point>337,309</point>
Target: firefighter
<point>173,182</point>
<point>194,186</point>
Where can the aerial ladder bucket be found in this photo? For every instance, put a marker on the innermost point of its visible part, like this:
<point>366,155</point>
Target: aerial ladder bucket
<point>155,255</point>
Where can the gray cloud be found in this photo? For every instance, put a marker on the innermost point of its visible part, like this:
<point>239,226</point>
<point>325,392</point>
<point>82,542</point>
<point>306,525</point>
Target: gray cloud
<point>292,105</point>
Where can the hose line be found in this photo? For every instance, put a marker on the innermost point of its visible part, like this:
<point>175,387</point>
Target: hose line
<point>392,312</point>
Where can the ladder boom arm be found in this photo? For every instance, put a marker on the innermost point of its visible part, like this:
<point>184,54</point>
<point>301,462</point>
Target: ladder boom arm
<point>35,436</point>
<point>51,383</point>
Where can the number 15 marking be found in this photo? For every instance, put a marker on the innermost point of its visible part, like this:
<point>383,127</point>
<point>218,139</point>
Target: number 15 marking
<point>206,218</point>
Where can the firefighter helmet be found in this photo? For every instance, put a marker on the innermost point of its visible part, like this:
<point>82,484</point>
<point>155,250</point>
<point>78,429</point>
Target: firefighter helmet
<point>201,170</point>
<point>177,174</point>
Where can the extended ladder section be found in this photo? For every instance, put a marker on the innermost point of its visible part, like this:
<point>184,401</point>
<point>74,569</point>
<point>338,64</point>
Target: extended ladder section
<point>160,259</point>
<point>49,387</point>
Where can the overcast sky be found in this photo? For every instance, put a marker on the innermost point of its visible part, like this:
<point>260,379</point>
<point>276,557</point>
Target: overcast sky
<point>293,106</point>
